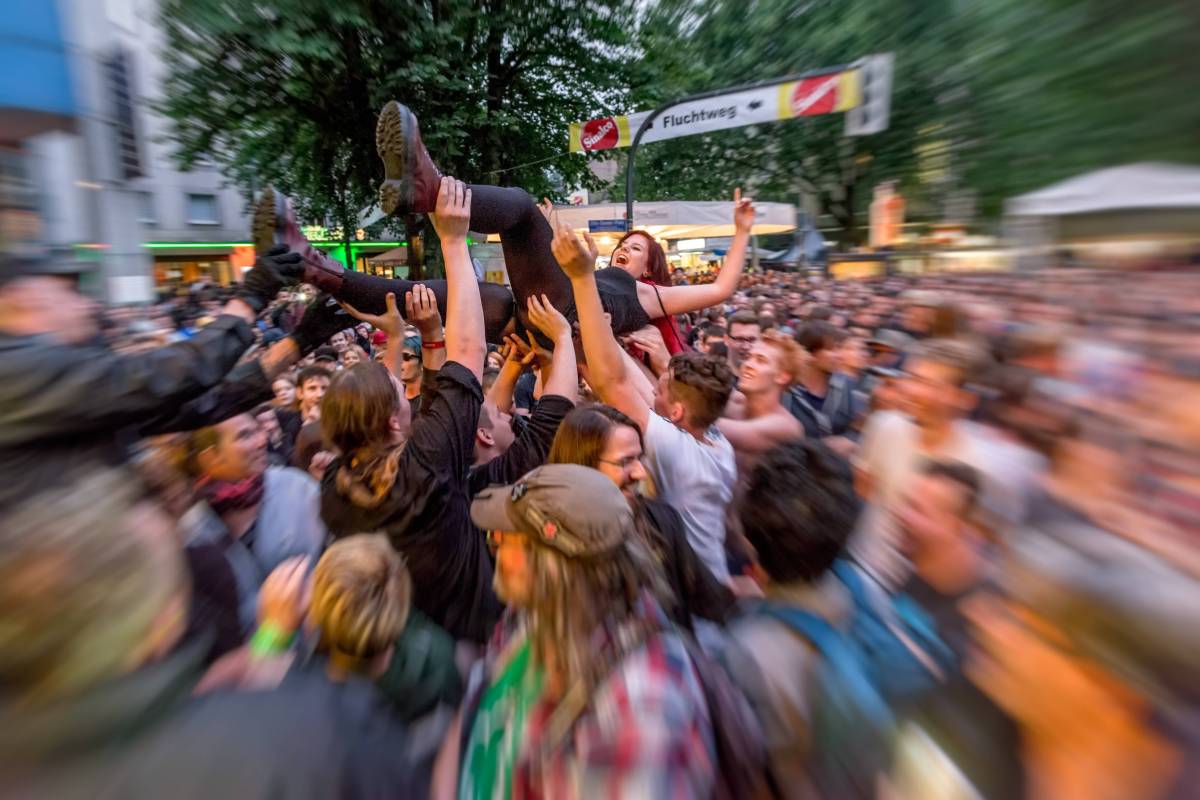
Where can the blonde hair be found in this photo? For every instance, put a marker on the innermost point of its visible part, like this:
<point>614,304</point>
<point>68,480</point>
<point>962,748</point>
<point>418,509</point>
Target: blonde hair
<point>791,354</point>
<point>83,586</point>
<point>361,597</point>
<point>571,599</point>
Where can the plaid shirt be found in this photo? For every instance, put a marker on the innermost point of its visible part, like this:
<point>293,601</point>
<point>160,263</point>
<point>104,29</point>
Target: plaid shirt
<point>645,733</point>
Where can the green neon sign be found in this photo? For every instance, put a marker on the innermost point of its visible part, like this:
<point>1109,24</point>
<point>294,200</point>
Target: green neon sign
<point>226,245</point>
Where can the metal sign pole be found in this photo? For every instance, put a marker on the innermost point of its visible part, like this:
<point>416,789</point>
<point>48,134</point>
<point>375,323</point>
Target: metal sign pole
<point>648,121</point>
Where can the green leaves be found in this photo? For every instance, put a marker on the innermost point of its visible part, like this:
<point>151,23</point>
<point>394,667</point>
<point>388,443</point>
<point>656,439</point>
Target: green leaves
<point>287,91</point>
<point>991,98</point>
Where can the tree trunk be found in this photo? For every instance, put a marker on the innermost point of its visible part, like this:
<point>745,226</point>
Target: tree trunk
<point>415,255</point>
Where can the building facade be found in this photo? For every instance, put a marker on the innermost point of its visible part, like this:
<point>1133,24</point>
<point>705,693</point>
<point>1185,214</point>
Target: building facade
<point>104,177</point>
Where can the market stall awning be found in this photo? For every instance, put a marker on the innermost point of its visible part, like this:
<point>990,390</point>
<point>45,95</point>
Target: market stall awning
<point>679,219</point>
<point>1150,185</point>
<point>397,255</point>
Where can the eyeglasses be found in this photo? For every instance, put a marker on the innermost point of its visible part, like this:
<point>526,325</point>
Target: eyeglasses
<point>410,357</point>
<point>622,464</point>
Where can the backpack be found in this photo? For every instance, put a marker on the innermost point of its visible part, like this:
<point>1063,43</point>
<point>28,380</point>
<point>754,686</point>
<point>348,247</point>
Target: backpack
<point>741,765</point>
<point>898,639</point>
<point>889,655</point>
<point>852,725</point>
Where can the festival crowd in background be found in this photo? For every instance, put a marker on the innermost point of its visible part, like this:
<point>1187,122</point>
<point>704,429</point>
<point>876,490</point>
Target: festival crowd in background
<point>924,537</point>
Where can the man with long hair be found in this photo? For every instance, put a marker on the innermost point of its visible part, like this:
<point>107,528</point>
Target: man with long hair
<point>408,477</point>
<point>584,662</point>
<point>601,437</point>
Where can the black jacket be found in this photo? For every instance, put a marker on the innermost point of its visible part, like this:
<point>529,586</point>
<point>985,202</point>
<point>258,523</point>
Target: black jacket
<point>65,409</point>
<point>530,449</point>
<point>836,414</point>
<point>697,592</point>
<point>426,512</point>
<point>145,736</point>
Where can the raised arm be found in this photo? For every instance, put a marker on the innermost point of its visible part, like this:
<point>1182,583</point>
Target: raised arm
<point>562,378</point>
<point>421,305</point>
<point>681,299</point>
<point>762,434</point>
<point>391,323</point>
<point>518,356</point>
<point>465,342</point>
<point>607,370</point>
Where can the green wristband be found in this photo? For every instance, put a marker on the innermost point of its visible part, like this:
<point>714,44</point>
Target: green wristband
<point>270,639</point>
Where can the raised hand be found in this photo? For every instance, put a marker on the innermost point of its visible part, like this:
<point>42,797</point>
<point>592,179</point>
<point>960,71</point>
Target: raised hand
<point>390,321</point>
<point>420,304</point>
<point>320,462</point>
<point>517,351</point>
<point>649,340</point>
<point>452,216</point>
<point>743,212</point>
<point>322,319</point>
<point>270,272</point>
<point>284,596</point>
<point>548,319</point>
<point>576,256</point>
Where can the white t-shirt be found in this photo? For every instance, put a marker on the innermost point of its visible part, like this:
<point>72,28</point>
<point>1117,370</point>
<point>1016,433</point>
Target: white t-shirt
<point>697,478</point>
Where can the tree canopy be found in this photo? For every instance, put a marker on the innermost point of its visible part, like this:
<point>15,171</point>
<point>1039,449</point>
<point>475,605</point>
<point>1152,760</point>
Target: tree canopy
<point>991,98</point>
<point>287,91</point>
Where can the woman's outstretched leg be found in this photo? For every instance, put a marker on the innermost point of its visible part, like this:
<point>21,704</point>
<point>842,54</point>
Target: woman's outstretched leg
<point>411,185</point>
<point>275,223</point>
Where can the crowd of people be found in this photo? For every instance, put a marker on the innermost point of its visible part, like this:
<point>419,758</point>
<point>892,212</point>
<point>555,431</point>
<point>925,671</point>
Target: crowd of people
<point>774,535</point>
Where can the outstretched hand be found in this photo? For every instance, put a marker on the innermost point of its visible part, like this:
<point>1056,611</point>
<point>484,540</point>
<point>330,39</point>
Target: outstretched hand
<point>548,319</point>
<point>390,321</point>
<point>649,341</point>
<point>284,596</point>
<point>576,256</point>
<point>452,216</point>
<point>420,306</point>
<point>271,271</point>
<point>743,212</point>
<point>517,351</point>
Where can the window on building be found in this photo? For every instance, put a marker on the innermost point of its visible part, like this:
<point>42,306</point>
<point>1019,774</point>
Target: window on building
<point>147,215</point>
<point>202,209</point>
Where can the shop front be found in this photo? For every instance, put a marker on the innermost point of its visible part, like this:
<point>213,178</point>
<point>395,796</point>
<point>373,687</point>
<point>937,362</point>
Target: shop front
<point>183,264</point>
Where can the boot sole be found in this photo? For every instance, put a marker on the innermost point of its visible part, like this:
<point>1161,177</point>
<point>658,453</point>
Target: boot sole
<point>391,141</point>
<point>267,213</point>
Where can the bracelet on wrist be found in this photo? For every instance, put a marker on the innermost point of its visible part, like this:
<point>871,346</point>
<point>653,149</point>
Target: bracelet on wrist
<point>439,345</point>
<point>270,639</point>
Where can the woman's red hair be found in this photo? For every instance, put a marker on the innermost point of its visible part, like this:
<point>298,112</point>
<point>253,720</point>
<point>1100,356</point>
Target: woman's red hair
<point>656,259</point>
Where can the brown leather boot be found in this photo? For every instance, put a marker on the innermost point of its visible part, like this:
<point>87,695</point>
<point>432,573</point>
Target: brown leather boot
<point>411,179</point>
<point>275,223</point>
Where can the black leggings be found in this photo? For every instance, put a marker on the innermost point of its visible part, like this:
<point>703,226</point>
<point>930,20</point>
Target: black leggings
<point>525,237</point>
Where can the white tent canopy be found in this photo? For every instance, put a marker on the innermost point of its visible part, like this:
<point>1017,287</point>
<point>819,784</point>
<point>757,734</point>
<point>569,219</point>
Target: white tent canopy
<point>1150,185</point>
<point>683,219</point>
